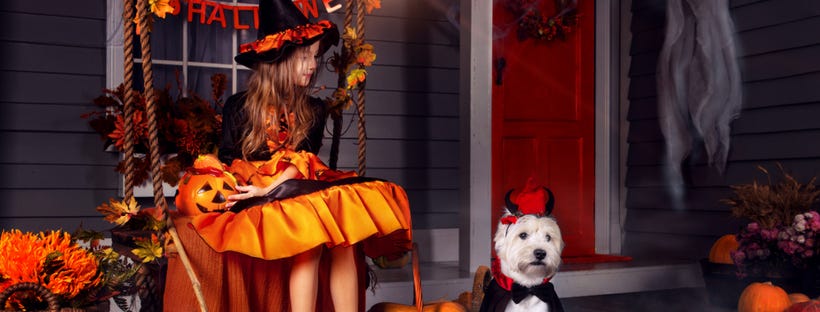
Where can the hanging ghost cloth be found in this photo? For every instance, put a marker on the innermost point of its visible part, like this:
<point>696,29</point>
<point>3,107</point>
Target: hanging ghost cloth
<point>699,83</point>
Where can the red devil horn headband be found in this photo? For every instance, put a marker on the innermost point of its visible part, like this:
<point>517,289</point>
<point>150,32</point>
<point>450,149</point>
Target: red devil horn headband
<point>513,208</point>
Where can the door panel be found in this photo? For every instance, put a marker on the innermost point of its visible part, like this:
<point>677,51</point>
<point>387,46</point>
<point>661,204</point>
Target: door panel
<point>543,121</point>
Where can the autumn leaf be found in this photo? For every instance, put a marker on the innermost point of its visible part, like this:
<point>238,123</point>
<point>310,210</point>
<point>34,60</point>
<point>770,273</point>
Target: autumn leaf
<point>372,4</point>
<point>349,37</point>
<point>148,250</point>
<point>119,212</point>
<point>161,7</point>
<point>366,57</point>
<point>356,76</point>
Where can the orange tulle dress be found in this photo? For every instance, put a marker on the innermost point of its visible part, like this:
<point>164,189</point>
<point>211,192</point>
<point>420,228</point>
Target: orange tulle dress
<point>320,207</point>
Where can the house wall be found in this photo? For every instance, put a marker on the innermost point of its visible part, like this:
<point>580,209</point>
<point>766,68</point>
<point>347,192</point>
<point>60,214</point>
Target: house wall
<point>53,65</point>
<point>412,107</point>
<point>779,122</point>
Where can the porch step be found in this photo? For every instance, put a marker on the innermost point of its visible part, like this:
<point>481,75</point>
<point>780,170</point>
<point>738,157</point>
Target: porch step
<point>443,280</point>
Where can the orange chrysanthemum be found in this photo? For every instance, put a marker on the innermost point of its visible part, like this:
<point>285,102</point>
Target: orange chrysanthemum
<point>139,125</point>
<point>50,259</point>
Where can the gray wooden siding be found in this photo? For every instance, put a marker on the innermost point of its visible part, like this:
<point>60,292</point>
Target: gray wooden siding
<point>53,65</point>
<point>411,109</point>
<point>779,123</point>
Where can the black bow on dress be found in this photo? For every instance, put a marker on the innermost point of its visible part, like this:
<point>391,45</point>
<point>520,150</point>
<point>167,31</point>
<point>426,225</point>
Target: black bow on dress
<point>545,292</point>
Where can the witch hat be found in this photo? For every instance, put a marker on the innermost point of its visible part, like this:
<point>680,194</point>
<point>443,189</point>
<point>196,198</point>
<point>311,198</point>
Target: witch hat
<point>282,28</point>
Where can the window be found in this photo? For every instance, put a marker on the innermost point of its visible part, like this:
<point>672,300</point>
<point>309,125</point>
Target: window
<point>185,55</point>
<point>191,52</point>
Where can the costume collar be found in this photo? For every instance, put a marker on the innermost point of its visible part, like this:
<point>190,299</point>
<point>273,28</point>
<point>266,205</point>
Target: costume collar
<point>503,280</point>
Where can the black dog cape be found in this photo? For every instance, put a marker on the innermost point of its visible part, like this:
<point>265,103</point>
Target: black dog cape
<point>496,297</point>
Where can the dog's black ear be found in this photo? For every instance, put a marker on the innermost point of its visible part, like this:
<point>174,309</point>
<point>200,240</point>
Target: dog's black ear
<point>511,207</point>
<point>550,202</point>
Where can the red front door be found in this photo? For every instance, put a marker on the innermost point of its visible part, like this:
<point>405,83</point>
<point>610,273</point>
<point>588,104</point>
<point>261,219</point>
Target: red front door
<point>544,121</point>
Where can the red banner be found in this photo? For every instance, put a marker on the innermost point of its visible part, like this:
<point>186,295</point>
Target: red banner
<point>209,12</point>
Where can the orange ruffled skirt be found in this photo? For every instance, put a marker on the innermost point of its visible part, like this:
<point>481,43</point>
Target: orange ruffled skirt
<point>373,212</point>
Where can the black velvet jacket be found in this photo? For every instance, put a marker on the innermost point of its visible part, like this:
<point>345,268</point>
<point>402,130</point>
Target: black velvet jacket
<point>233,128</point>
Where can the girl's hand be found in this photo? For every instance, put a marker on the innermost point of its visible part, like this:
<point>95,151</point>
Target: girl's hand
<point>246,191</point>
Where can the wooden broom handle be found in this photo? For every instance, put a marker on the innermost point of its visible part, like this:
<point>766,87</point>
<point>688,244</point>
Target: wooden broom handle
<point>417,278</point>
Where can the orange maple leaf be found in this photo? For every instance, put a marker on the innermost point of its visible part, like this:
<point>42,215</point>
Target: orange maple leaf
<point>372,4</point>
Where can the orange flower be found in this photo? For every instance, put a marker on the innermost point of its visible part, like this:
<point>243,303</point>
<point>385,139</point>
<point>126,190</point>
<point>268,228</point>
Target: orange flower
<point>139,127</point>
<point>50,259</point>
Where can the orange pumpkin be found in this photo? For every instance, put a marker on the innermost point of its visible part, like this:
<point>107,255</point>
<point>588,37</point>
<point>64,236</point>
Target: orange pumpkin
<point>798,298</point>
<point>722,248</point>
<point>763,297</point>
<point>445,306</point>
<point>806,306</point>
<point>205,188</point>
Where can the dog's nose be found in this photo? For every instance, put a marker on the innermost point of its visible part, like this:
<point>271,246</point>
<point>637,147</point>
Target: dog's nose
<point>540,254</point>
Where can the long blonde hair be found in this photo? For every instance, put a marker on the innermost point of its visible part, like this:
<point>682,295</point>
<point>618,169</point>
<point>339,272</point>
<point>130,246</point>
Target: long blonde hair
<point>273,92</point>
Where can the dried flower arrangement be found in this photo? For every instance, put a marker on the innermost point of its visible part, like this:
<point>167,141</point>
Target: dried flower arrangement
<point>782,233</point>
<point>773,204</point>
<point>187,127</point>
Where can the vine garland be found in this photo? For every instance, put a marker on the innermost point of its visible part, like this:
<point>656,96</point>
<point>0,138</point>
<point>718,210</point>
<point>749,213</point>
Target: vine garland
<point>532,23</point>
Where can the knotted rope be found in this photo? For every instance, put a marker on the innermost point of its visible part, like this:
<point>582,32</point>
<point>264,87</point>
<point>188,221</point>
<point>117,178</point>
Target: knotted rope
<point>360,96</point>
<point>128,109</point>
<point>145,281</point>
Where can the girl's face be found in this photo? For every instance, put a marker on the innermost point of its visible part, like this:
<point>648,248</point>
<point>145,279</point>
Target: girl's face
<point>306,64</point>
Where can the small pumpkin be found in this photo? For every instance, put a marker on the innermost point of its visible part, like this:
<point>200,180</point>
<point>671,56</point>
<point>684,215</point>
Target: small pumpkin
<point>798,298</point>
<point>722,249</point>
<point>805,306</point>
<point>763,297</point>
<point>205,187</point>
<point>444,306</point>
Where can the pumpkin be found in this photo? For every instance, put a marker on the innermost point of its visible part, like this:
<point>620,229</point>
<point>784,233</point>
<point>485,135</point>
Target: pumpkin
<point>205,187</point>
<point>805,306</point>
<point>444,306</point>
<point>763,297</point>
<point>722,249</point>
<point>798,297</point>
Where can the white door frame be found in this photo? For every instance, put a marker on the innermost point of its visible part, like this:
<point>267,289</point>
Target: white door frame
<point>476,123</point>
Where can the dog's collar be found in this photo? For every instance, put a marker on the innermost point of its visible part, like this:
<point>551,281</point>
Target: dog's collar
<point>503,280</point>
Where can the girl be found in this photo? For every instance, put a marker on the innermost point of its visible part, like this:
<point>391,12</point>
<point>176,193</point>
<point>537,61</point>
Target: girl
<point>292,205</point>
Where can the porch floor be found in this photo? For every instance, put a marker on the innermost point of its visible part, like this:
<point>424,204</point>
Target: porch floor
<point>638,285</point>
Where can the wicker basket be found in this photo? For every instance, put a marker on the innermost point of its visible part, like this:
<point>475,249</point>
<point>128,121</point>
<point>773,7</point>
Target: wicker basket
<point>42,292</point>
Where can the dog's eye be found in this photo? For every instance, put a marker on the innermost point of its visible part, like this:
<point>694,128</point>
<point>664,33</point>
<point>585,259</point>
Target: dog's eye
<point>549,238</point>
<point>523,235</point>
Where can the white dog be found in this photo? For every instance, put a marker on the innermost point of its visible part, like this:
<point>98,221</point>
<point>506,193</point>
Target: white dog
<point>528,245</point>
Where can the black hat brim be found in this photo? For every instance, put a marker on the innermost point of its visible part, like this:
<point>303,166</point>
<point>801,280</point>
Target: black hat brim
<point>329,37</point>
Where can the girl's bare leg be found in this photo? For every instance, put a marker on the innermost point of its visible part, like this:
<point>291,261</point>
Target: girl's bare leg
<point>344,280</point>
<point>304,280</point>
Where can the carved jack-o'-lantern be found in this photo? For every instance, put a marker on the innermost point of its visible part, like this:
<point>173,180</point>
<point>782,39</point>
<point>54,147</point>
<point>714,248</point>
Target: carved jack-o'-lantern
<point>204,189</point>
